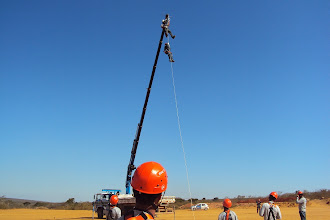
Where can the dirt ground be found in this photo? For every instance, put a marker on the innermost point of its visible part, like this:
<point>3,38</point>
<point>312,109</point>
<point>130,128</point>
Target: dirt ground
<point>288,213</point>
<point>315,211</point>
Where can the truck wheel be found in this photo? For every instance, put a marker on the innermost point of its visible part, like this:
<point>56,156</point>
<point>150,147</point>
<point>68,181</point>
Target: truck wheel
<point>99,213</point>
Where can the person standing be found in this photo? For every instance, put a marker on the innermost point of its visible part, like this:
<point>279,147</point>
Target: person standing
<point>149,182</point>
<point>269,210</point>
<point>114,212</point>
<point>227,214</point>
<point>301,200</point>
<point>258,205</point>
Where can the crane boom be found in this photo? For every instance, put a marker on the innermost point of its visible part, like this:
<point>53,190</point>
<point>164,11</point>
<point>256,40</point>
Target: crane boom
<point>131,166</point>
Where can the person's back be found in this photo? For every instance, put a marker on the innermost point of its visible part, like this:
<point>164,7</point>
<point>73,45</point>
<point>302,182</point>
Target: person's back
<point>227,214</point>
<point>269,210</point>
<point>231,215</point>
<point>137,215</point>
<point>115,213</point>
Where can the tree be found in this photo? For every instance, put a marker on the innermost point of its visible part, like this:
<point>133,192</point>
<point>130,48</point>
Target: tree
<point>194,200</point>
<point>70,201</point>
<point>27,203</point>
<point>179,199</point>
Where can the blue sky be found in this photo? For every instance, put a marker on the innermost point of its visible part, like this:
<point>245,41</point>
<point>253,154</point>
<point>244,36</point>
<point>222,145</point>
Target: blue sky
<point>252,81</point>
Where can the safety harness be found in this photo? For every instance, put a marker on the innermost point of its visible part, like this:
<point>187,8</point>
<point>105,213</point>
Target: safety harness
<point>227,214</point>
<point>271,211</point>
<point>141,216</point>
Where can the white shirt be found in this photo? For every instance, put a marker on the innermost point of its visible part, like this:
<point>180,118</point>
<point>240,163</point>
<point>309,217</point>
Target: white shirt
<point>232,216</point>
<point>265,211</point>
<point>115,213</point>
<point>302,203</point>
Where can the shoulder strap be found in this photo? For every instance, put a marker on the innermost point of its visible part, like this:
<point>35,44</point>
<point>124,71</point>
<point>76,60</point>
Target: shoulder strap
<point>227,214</point>
<point>271,211</point>
<point>128,215</point>
<point>141,216</point>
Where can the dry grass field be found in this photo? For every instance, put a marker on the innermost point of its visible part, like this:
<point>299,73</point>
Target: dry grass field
<point>316,210</point>
<point>288,213</point>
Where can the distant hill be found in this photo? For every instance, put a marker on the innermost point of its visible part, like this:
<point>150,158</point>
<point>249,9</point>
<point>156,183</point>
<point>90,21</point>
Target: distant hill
<point>70,204</point>
<point>23,200</point>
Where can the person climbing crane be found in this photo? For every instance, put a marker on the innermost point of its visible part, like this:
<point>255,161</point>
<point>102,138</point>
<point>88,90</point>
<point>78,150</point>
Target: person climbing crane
<point>165,25</point>
<point>167,50</point>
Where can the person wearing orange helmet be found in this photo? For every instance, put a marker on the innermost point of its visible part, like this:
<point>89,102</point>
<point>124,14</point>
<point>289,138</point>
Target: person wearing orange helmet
<point>227,214</point>
<point>149,182</point>
<point>301,200</point>
<point>114,212</point>
<point>269,210</point>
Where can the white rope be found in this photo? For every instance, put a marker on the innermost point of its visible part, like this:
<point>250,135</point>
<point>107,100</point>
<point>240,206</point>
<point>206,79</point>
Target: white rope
<point>184,153</point>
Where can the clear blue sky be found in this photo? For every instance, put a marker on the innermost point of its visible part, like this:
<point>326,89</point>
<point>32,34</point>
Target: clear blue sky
<point>252,80</point>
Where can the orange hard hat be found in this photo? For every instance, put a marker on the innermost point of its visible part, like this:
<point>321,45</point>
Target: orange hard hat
<point>150,178</point>
<point>274,194</point>
<point>300,193</point>
<point>227,203</point>
<point>114,200</point>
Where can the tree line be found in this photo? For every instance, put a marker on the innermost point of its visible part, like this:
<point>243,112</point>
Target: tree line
<point>71,204</point>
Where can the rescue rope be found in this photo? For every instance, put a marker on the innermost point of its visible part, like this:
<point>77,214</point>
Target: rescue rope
<point>179,125</point>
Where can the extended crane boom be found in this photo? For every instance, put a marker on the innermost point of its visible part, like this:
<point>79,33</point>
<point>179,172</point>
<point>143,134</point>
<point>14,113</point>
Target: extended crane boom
<point>131,166</point>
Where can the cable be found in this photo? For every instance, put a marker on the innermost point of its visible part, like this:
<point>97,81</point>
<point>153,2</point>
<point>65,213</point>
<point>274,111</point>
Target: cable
<point>184,153</point>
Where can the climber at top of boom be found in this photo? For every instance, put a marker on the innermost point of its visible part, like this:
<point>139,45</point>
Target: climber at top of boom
<point>165,25</point>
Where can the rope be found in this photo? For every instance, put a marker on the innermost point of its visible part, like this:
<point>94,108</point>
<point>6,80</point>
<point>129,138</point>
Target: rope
<point>184,153</point>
